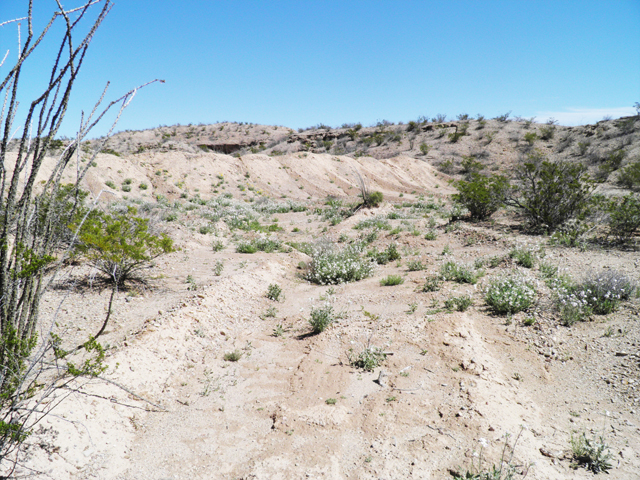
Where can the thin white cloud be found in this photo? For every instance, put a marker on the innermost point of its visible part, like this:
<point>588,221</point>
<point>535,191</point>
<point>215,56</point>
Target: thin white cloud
<point>584,116</point>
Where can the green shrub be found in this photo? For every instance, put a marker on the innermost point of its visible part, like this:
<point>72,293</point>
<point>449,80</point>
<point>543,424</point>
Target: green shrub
<point>367,359</point>
<point>321,318</point>
<point>415,265</point>
<point>530,137</point>
<point>470,166</point>
<point>510,294</point>
<point>246,247</point>
<point>605,291</point>
<point>424,148</point>
<point>143,186</point>
<point>523,256</point>
<point>624,217</point>
<point>460,303</point>
<point>431,235</point>
<point>481,195</point>
<point>232,356</point>
<point>592,454</point>
<point>126,188</point>
<point>391,280</point>
<point>547,132</point>
<point>217,245</point>
<point>110,184</point>
<point>550,193</point>
<point>390,254</point>
<point>330,265</point>
<point>373,199</point>
<point>377,223</point>
<point>121,245</point>
<point>274,292</point>
<point>432,283</point>
<point>629,176</point>
<point>457,272</point>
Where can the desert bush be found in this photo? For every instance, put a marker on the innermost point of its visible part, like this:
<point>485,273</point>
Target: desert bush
<point>391,280</point>
<point>331,265</point>
<point>368,359</point>
<point>550,193</point>
<point>629,176</point>
<point>547,132</point>
<point>415,265</point>
<point>390,254</point>
<point>510,294</point>
<point>121,245</point>
<point>375,222</point>
<point>624,217</point>
<point>530,137</point>
<point>592,454</point>
<point>431,235</point>
<point>217,245</point>
<point>424,148</point>
<point>274,292</point>
<point>470,166</point>
<point>526,256</point>
<point>503,118</point>
<point>460,273</point>
<point>481,195</point>
<point>460,303</point>
<point>432,283</point>
<point>461,131</point>
<point>246,247</point>
<point>321,318</point>
<point>604,291</point>
<point>232,356</point>
<point>262,244</point>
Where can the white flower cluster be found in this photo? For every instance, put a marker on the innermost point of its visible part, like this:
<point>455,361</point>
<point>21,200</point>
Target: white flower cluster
<point>331,266</point>
<point>510,294</point>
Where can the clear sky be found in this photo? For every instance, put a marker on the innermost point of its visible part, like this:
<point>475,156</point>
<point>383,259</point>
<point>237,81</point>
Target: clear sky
<point>299,63</point>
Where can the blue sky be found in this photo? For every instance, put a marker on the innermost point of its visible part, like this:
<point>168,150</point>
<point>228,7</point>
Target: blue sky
<point>300,63</point>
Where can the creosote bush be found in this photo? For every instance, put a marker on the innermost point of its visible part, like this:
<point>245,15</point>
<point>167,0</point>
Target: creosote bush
<point>549,194</point>
<point>481,195</point>
<point>121,245</point>
<point>368,359</point>
<point>457,272</point>
<point>391,280</point>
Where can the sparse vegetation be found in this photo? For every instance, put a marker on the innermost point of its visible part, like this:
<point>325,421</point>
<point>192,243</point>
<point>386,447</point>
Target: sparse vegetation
<point>274,292</point>
<point>332,265</point>
<point>321,318</point>
<point>392,280</point>
<point>460,273</point>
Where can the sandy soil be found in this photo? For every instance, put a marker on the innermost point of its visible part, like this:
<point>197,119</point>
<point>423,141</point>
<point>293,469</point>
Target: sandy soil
<point>451,379</point>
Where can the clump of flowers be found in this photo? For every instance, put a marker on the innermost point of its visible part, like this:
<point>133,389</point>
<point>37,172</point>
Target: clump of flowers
<point>510,294</point>
<point>331,265</point>
<point>599,293</point>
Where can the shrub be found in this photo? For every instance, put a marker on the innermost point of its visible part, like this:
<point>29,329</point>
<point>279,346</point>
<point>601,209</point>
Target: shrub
<point>121,245</point>
<point>424,148</point>
<point>330,265</point>
<point>415,265</point>
<point>530,137</point>
<point>431,235</point>
<point>143,186</point>
<point>624,217</point>
<point>217,245</point>
<point>453,271</point>
<point>373,199</point>
<point>391,280</point>
<point>246,247</point>
<point>470,166</point>
<point>232,356</point>
<point>592,454</point>
<point>391,254</point>
<point>367,359</point>
<point>458,303</point>
<point>432,284</point>
<point>274,292</point>
<point>110,184</point>
<point>321,318</point>
<point>604,291</point>
<point>481,195</point>
<point>510,294</point>
<point>550,193</point>
<point>525,256</point>
<point>629,176</point>
<point>547,132</point>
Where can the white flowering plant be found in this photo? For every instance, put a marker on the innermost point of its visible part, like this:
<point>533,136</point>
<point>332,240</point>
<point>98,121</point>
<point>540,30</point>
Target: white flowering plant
<point>510,294</point>
<point>331,265</point>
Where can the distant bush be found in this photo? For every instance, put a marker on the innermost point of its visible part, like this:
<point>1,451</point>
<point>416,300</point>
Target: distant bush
<point>432,283</point>
<point>391,280</point>
<point>629,176</point>
<point>274,292</point>
<point>547,132</point>
<point>368,359</point>
<point>460,303</point>
<point>550,193</point>
<point>481,195</point>
<point>390,254</point>
<point>457,272</point>
<point>624,217</point>
<point>530,137</point>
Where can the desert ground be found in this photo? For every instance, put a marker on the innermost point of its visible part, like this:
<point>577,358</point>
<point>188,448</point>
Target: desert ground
<point>455,385</point>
